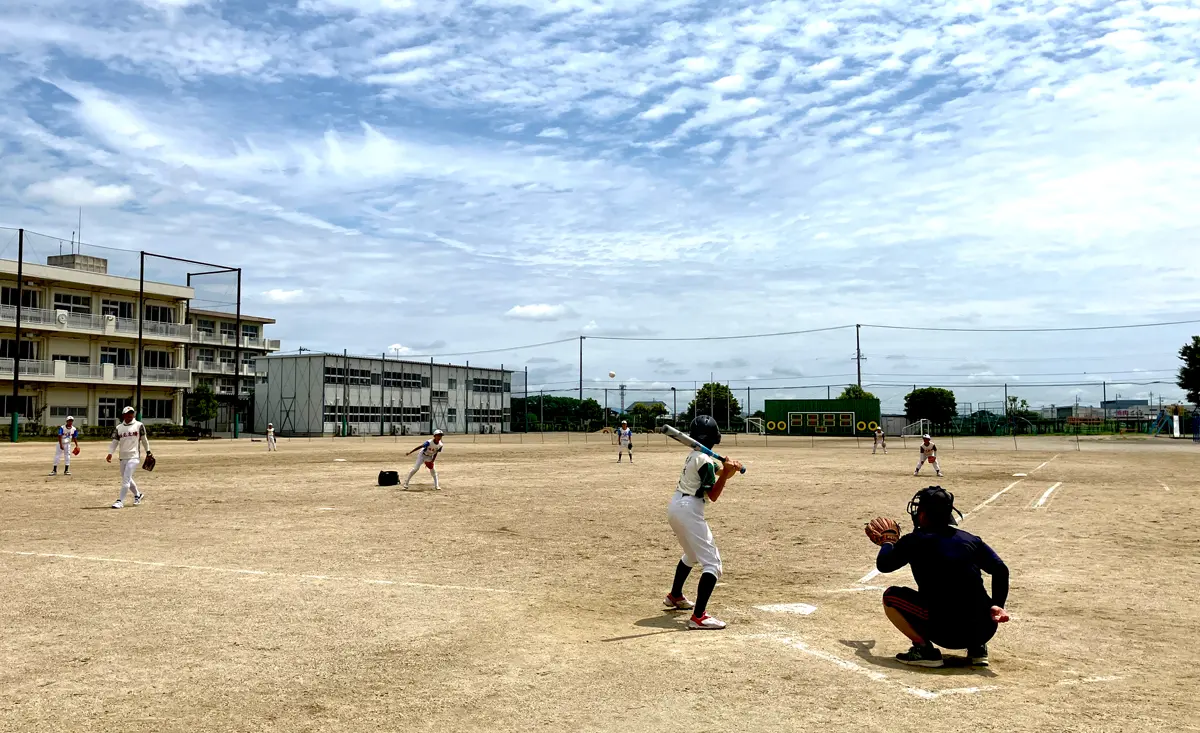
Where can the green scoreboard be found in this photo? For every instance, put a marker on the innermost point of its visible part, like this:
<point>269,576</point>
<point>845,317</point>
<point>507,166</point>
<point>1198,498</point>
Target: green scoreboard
<point>822,417</point>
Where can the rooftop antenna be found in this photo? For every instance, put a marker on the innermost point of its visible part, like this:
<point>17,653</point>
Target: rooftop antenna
<point>79,229</point>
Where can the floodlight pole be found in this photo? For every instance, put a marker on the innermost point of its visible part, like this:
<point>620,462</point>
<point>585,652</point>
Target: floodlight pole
<point>581,371</point>
<point>16,415</point>
<point>237,356</point>
<point>858,350</point>
<point>141,325</point>
<point>526,402</point>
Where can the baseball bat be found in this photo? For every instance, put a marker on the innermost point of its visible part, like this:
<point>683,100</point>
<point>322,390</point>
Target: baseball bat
<point>687,440</point>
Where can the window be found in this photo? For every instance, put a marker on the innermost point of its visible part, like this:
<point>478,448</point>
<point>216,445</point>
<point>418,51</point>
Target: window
<point>158,359</point>
<point>250,330</point>
<point>160,313</point>
<point>24,405</point>
<point>158,409</point>
<point>451,383</point>
<point>71,359</point>
<point>206,326</point>
<point>8,349</point>
<point>118,308</point>
<point>79,413</point>
<point>107,412</point>
<point>226,356</point>
<point>407,380</point>
<point>452,415</point>
<point>116,356</point>
<point>29,298</point>
<point>484,415</point>
<point>438,394</point>
<point>228,330</point>
<point>73,303</point>
<point>206,355</point>
<point>487,385</point>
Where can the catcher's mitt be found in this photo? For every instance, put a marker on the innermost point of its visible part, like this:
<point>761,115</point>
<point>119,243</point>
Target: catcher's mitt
<point>882,530</point>
<point>75,452</point>
<point>149,463</point>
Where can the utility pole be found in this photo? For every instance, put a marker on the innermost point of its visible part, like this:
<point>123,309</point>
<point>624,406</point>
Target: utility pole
<point>525,403</point>
<point>16,415</point>
<point>581,371</point>
<point>858,350</point>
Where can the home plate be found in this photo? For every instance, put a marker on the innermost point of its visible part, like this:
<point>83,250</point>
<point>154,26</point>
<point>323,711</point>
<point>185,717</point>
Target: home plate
<point>1020,475</point>
<point>802,609</point>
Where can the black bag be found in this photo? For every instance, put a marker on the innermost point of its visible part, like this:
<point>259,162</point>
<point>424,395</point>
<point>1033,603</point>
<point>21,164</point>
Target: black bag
<point>389,478</point>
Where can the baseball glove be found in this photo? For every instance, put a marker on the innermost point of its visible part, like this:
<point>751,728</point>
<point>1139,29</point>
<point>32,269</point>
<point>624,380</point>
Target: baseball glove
<point>75,452</point>
<point>931,459</point>
<point>882,530</point>
<point>149,463</point>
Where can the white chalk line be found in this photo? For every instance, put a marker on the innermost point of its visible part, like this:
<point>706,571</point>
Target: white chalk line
<point>856,668</point>
<point>1088,680</point>
<point>1160,483</point>
<point>1045,464</point>
<point>857,590</point>
<point>1046,496</point>
<point>267,573</point>
<point>800,609</point>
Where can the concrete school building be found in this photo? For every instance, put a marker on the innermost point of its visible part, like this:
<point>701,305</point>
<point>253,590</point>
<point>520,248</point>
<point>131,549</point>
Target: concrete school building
<point>313,394</point>
<point>78,346</point>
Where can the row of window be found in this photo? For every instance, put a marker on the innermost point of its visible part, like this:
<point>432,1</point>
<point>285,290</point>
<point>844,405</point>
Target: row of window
<point>224,356</point>
<point>489,385</point>
<point>358,413</point>
<point>115,355</point>
<point>208,327</point>
<point>83,304</point>
<point>152,409</point>
<point>486,415</point>
<point>367,378</point>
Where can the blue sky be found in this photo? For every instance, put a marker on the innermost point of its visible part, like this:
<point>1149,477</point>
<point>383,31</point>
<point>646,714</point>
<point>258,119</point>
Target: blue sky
<point>452,176</point>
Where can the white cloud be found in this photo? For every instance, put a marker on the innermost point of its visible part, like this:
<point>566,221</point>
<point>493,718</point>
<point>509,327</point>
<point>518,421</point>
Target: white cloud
<point>731,83</point>
<point>399,350</point>
<point>75,191</point>
<point>539,312</point>
<point>277,295</point>
<point>556,133</point>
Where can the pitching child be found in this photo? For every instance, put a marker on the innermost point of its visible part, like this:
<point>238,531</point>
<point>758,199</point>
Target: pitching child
<point>880,442</point>
<point>68,442</point>
<point>928,455</point>
<point>701,482</point>
<point>950,607</point>
<point>271,437</point>
<point>429,451</point>
<point>130,437</point>
<point>624,441</point>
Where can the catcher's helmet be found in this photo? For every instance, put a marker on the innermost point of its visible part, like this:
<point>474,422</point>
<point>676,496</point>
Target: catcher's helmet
<point>938,505</point>
<point>704,430</point>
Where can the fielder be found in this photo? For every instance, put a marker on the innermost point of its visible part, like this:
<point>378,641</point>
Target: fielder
<point>429,451</point>
<point>68,441</point>
<point>130,437</point>
<point>880,441</point>
<point>699,484</point>
<point>271,437</point>
<point>950,607</point>
<point>928,455</point>
<point>624,441</point>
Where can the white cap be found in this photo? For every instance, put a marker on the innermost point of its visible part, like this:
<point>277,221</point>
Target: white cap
<point>624,423</point>
<point>925,436</point>
<point>128,410</point>
<point>69,418</point>
<point>270,425</point>
<point>437,433</point>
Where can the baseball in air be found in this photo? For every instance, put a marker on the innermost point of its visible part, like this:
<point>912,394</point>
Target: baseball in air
<point>612,375</point>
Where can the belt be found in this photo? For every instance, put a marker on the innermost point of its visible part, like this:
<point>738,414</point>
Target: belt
<point>684,493</point>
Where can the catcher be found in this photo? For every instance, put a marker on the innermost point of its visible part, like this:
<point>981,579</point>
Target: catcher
<point>950,607</point>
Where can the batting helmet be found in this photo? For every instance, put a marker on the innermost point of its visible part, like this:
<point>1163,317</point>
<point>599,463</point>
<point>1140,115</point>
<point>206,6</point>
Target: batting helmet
<point>938,505</point>
<point>704,430</point>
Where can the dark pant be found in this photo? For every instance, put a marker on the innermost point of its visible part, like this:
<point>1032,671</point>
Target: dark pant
<point>959,630</point>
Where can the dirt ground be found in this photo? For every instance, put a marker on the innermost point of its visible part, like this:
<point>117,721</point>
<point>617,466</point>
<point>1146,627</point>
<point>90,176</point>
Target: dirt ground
<point>288,592</point>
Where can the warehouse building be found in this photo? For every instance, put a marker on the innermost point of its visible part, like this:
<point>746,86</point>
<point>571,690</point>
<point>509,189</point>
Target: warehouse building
<point>313,394</point>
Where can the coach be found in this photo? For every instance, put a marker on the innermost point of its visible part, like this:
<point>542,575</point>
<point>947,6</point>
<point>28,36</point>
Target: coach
<point>950,607</point>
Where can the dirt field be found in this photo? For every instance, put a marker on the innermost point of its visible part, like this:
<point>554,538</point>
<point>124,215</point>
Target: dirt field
<point>287,592</point>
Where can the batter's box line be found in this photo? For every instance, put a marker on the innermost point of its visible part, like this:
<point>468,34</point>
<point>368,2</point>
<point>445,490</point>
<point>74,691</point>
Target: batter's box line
<point>264,573</point>
<point>856,668</point>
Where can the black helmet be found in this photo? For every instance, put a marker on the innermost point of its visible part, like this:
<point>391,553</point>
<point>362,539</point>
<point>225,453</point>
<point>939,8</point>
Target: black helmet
<point>938,505</point>
<point>704,430</point>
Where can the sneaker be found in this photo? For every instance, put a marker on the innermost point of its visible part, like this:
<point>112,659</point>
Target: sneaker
<point>705,622</point>
<point>678,604</point>
<point>54,471</point>
<point>978,656</point>
<point>940,474</point>
<point>137,498</point>
<point>921,656</point>
<point>118,504</point>
<point>66,471</point>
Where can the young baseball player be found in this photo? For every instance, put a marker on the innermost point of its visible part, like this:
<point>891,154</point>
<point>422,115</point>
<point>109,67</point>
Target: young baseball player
<point>624,441</point>
<point>928,455</point>
<point>880,441</point>
<point>950,606</point>
<point>429,451</point>
<point>130,437</point>
<point>702,481</point>
<point>68,440</point>
<point>271,437</point>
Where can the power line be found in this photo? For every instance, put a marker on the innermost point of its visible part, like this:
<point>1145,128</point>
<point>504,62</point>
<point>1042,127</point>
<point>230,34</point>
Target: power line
<point>718,338</point>
<point>1032,330</point>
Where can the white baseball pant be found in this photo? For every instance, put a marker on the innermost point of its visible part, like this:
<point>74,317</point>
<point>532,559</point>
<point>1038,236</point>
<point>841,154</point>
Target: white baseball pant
<point>417,467</point>
<point>128,466</point>
<point>271,443</point>
<point>62,452</point>
<point>686,517</point>
<point>936,467</point>
<point>879,444</point>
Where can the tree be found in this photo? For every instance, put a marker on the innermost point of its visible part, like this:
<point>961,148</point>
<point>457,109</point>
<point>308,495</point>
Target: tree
<point>856,392</point>
<point>713,399</point>
<point>644,414</point>
<point>930,403</point>
<point>559,413</point>
<point>1189,373</point>
<point>202,405</point>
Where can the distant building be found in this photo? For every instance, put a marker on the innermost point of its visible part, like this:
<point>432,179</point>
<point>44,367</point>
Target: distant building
<point>648,404</point>
<point>1123,404</point>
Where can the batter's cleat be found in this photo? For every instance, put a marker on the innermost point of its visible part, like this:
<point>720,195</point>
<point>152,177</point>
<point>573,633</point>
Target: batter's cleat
<point>978,656</point>
<point>137,498</point>
<point>921,656</point>
<point>705,623</point>
<point>118,504</point>
<point>678,604</point>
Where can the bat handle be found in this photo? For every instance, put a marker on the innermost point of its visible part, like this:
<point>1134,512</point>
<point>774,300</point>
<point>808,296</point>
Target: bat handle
<point>723,459</point>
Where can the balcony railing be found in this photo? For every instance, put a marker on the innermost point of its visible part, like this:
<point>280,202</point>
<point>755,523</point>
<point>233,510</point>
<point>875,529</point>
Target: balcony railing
<point>85,371</point>
<point>29,368</point>
<point>206,366</point>
<point>168,376</point>
<point>93,323</point>
<point>208,338</point>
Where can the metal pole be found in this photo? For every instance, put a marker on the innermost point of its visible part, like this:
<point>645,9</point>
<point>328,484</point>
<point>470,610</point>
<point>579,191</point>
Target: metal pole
<point>581,370</point>
<point>15,411</point>
<point>502,401</point>
<point>237,357</point>
<point>858,350</point>
<point>345,393</point>
<point>606,407</point>
<point>382,374</point>
<point>712,397</point>
<point>141,322</point>
<point>525,402</point>
<point>431,395</point>
<point>674,407</point>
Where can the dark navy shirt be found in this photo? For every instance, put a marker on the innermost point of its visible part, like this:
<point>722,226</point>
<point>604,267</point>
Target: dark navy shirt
<point>946,564</point>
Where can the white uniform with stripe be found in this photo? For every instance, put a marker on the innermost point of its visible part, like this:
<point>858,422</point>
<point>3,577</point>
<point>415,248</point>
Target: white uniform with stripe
<point>271,439</point>
<point>928,451</point>
<point>625,441</point>
<point>880,441</point>
<point>128,441</point>
<point>685,513</point>
<point>427,454</point>
<point>66,436</point>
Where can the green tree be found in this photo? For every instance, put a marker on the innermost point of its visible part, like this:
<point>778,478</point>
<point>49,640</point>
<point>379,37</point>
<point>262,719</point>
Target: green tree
<point>645,415</point>
<point>202,405</point>
<point>714,399</point>
<point>1189,373</point>
<point>856,392</point>
<point>558,413</point>
<point>930,403</point>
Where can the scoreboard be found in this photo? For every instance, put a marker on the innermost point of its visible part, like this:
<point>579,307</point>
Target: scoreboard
<point>840,417</point>
<point>821,423</point>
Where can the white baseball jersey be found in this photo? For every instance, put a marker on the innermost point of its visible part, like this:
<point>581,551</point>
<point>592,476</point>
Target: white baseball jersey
<point>430,450</point>
<point>928,450</point>
<point>66,435</point>
<point>624,435</point>
<point>129,438</point>
<point>699,474</point>
<point>270,432</point>
<point>878,435</point>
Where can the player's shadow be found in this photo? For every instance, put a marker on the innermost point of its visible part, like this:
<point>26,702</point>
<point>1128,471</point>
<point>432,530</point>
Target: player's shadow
<point>665,623</point>
<point>953,666</point>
